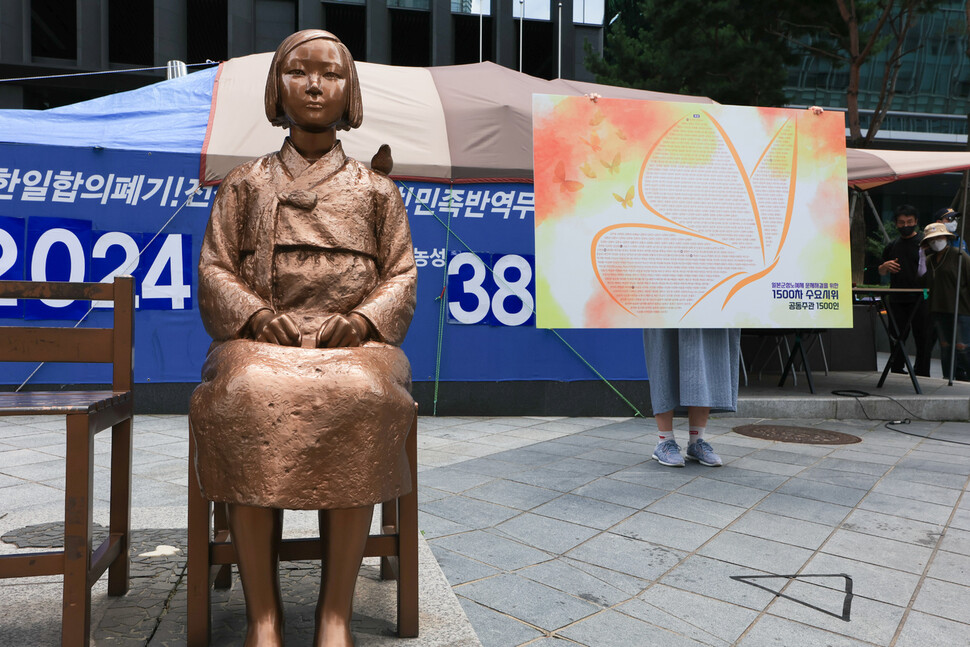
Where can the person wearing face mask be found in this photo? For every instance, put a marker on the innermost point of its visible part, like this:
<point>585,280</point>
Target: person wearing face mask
<point>900,260</point>
<point>948,217</point>
<point>939,266</point>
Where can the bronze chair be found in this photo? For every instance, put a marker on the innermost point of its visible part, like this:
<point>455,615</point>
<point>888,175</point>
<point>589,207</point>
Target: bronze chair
<point>211,554</point>
<point>87,412</point>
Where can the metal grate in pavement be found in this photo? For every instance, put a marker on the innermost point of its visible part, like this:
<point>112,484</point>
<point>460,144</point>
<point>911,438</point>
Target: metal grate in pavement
<point>802,435</point>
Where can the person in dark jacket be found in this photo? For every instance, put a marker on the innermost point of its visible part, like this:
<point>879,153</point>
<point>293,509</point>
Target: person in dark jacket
<point>900,260</point>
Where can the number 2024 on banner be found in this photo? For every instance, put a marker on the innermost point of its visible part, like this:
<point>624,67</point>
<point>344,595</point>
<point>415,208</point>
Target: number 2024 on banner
<point>63,249</point>
<point>501,296</point>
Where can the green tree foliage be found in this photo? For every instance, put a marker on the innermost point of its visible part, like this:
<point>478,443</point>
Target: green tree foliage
<point>734,51</point>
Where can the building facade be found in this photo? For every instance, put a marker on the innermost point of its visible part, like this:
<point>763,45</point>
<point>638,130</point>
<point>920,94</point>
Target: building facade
<point>932,95</point>
<point>47,38</point>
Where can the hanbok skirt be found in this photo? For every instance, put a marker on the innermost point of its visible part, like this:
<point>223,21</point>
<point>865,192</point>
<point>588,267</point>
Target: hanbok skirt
<point>302,428</point>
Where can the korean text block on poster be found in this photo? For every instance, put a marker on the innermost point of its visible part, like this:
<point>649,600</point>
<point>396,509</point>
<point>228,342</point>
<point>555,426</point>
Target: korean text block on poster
<point>654,214</point>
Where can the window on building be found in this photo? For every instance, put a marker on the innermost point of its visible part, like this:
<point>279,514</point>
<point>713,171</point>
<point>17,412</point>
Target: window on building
<point>131,29</point>
<point>469,34</point>
<point>53,29</point>
<point>274,21</point>
<point>410,37</point>
<point>349,23</point>
<point>207,31</point>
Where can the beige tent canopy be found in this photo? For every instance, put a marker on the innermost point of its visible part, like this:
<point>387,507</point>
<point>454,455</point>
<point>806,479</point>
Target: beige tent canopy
<point>453,122</point>
<point>870,168</point>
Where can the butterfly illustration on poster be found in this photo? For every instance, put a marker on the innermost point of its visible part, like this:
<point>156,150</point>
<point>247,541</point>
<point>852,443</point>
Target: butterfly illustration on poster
<point>689,215</point>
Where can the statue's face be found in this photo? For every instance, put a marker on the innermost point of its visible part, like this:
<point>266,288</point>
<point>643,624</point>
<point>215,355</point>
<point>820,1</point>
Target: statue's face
<point>313,85</point>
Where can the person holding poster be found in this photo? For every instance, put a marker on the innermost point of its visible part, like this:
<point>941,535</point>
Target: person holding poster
<point>694,369</point>
<point>900,260</point>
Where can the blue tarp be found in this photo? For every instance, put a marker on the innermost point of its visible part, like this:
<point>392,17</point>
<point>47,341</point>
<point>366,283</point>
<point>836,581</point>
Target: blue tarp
<point>169,117</point>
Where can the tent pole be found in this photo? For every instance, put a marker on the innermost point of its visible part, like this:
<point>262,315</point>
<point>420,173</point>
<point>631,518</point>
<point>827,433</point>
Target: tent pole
<point>956,304</point>
<point>875,214</point>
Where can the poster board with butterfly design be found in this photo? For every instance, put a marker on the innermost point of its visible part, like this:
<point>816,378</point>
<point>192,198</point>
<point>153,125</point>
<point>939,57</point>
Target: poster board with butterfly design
<point>652,214</point>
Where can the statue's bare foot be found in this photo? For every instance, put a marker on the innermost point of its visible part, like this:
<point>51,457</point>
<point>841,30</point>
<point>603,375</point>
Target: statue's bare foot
<point>264,633</point>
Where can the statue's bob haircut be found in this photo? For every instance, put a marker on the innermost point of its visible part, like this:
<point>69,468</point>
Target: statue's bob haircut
<point>353,114</point>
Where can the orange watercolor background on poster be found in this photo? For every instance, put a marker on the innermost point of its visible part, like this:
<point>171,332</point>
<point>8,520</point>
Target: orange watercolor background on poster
<point>798,147</point>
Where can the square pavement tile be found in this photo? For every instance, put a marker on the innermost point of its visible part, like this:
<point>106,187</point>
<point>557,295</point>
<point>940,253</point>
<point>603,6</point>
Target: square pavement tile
<point>485,547</point>
<point>892,527</point>
<point>712,578</point>
<point>856,467</point>
<point>838,494</point>
<point>878,550</point>
<point>584,511</point>
<point>797,507</point>
<point>620,492</point>
<point>868,580</point>
<point>469,512</point>
<point>800,459</point>
<point>700,617</point>
<point>552,479</point>
<point>783,529</point>
<point>871,621</point>
<point>927,493</point>
<point>433,526</point>
<point>722,492</point>
<point>907,507</point>
<point>630,556</point>
<point>613,629</point>
<point>909,475</point>
<point>757,553</point>
<point>628,583</point>
<point>496,629</point>
<point>710,513</point>
<point>839,477</point>
<point>454,480</point>
<point>665,531</point>
<point>961,520</point>
<point>922,629</point>
<point>534,603</point>
<point>545,533</point>
<point>653,474</point>
<point>748,478</point>
<point>459,569</point>
<point>512,494</point>
<point>944,599</point>
<point>956,541</point>
<point>771,631</point>
<point>560,575</point>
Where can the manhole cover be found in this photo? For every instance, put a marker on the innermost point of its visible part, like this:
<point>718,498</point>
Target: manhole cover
<point>803,435</point>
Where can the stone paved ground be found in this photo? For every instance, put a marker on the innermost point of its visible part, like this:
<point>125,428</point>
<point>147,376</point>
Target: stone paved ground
<point>556,531</point>
<point>564,532</point>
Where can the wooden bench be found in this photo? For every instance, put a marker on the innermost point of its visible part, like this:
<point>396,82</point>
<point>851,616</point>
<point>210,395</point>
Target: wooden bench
<point>211,554</point>
<point>87,412</point>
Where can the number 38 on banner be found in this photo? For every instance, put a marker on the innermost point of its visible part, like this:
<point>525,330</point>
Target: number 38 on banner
<point>501,296</point>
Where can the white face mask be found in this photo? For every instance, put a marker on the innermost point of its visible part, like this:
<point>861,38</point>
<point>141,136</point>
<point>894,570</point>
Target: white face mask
<point>951,227</point>
<point>937,245</point>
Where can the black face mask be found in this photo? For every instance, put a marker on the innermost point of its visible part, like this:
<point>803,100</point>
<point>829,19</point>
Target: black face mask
<point>906,231</point>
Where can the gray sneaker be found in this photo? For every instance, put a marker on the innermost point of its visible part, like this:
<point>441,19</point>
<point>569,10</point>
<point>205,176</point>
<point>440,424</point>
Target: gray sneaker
<point>703,453</point>
<point>668,453</point>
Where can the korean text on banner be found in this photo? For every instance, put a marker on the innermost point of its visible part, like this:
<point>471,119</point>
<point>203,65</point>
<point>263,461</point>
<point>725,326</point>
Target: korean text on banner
<point>652,214</point>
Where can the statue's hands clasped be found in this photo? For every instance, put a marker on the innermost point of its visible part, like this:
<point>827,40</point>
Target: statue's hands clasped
<point>340,331</point>
<point>272,328</point>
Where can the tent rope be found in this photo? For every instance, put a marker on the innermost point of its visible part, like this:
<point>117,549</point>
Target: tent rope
<point>128,268</point>
<point>442,306</point>
<point>450,233</point>
<point>97,72</point>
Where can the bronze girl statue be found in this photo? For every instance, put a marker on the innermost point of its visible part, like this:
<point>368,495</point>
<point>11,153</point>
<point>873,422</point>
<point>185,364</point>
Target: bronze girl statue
<point>307,285</point>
